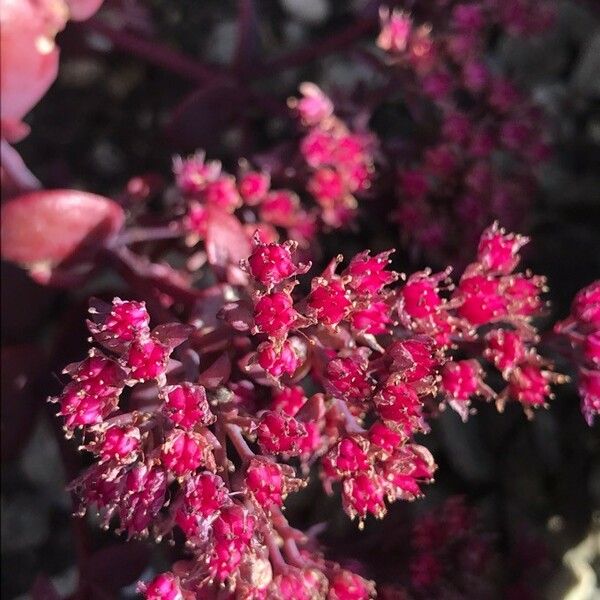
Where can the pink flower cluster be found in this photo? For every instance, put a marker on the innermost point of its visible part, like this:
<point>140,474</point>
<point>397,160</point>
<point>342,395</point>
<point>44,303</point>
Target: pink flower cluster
<point>161,464</point>
<point>582,328</point>
<point>200,429</point>
<point>448,540</point>
<point>482,137</point>
<point>193,429</point>
<point>494,307</point>
<point>209,191</point>
<point>340,161</point>
<point>340,165</point>
<point>389,354</point>
<point>450,554</point>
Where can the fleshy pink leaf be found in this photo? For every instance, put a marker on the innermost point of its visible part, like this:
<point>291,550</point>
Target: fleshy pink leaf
<point>48,228</point>
<point>29,57</point>
<point>218,372</point>
<point>227,243</point>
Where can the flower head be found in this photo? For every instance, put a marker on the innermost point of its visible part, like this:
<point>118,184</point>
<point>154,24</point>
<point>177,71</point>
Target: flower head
<point>345,585</point>
<point>163,587</point>
<point>329,301</point>
<point>186,405</point>
<point>396,28</point>
<point>271,264</point>
<point>183,452</point>
<point>147,359</point>
<point>274,314</point>
<point>253,187</point>
<point>279,433</point>
<point>277,361</point>
<point>314,106</point>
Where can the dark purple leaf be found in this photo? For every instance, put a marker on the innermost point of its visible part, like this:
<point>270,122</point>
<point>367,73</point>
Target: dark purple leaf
<point>23,321</point>
<point>206,308</point>
<point>43,589</point>
<point>218,372</point>
<point>172,334</point>
<point>248,36</point>
<point>238,315</point>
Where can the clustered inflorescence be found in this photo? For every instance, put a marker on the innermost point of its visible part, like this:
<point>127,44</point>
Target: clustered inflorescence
<point>450,553</point>
<point>340,375</point>
<point>477,138</point>
<point>582,328</point>
<point>336,164</point>
<point>477,142</point>
<point>199,429</point>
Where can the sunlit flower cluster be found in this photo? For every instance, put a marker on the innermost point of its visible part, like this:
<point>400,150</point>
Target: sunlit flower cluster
<point>214,450</point>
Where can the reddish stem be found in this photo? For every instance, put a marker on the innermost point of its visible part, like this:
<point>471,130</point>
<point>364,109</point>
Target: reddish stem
<point>220,451</point>
<point>285,530</point>
<point>244,53</point>
<point>234,433</point>
<point>351,424</point>
<point>319,49</point>
<point>134,235</point>
<point>293,554</point>
<point>156,53</point>
<point>137,269</point>
<point>277,561</point>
